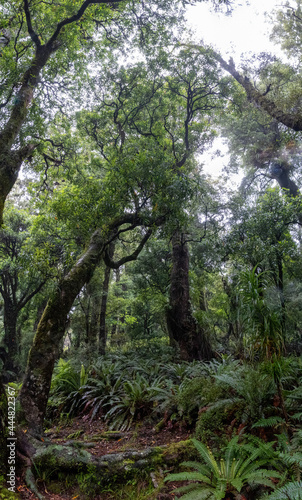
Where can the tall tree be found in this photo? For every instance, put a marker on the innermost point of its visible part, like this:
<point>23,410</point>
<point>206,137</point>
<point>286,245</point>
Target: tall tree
<point>182,326</point>
<point>145,129</point>
<point>103,308</point>
<point>44,48</point>
<point>20,280</point>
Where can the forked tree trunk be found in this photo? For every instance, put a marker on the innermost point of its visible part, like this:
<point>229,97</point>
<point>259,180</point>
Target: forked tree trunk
<point>45,349</point>
<point>182,326</point>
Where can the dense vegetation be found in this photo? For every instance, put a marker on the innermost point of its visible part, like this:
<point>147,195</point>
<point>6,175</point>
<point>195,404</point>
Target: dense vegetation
<point>137,291</point>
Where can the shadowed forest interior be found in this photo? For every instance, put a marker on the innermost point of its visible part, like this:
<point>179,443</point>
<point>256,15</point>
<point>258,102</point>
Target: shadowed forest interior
<point>150,312</point>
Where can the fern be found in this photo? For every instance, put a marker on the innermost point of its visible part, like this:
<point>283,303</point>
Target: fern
<point>241,465</point>
<point>290,491</point>
<point>274,421</point>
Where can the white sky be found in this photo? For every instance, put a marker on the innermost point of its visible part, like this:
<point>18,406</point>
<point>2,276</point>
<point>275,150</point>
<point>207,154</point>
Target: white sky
<point>242,31</point>
<point>245,31</point>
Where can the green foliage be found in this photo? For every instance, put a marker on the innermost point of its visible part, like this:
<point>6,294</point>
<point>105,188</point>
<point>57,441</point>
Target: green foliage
<point>291,490</point>
<point>214,478</point>
<point>134,402</point>
<point>210,422</point>
<point>5,494</point>
<point>262,323</point>
<point>245,395</point>
<point>67,387</point>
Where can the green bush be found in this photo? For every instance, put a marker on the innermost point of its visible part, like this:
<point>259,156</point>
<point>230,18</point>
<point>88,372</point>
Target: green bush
<point>210,423</point>
<point>67,388</point>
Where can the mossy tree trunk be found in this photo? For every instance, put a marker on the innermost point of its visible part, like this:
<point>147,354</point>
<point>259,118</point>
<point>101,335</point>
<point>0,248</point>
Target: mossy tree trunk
<point>47,341</point>
<point>182,326</point>
<point>50,331</point>
<point>11,158</point>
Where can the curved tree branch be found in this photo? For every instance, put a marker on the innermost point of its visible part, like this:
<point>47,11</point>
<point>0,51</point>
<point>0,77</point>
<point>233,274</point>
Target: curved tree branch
<point>115,265</point>
<point>77,16</point>
<point>293,121</point>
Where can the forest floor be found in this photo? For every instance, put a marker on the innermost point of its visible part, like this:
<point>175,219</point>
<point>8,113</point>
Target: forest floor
<point>143,435</point>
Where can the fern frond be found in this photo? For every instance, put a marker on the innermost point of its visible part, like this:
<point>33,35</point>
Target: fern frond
<point>292,491</point>
<point>188,476</point>
<point>199,494</point>
<point>198,466</point>
<point>297,416</point>
<point>269,422</point>
<point>207,456</point>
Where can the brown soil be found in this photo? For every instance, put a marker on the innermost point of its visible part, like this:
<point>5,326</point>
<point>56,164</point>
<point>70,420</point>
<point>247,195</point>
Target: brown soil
<point>142,436</point>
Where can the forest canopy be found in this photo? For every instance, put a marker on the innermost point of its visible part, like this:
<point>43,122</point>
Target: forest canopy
<point>118,250</point>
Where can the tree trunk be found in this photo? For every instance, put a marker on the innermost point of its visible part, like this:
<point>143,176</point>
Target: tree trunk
<point>10,158</point>
<point>10,336</point>
<point>102,332</point>
<point>3,427</point>
<point>291,120</point>
<point>182,326</point>
<point>94,320</point>
<point>87,321</point>
<point>117,280</point>
<point>46,344</point>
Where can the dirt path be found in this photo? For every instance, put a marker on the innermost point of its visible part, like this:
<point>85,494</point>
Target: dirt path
<point>102,442</point>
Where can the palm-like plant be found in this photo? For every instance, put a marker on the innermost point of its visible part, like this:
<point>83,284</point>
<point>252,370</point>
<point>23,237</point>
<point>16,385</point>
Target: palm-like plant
<point>100,392</point>
<point>214,479</point>
<point>262,324</point>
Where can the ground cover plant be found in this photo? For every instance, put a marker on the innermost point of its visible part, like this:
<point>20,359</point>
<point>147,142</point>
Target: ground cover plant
<point>150,315</point>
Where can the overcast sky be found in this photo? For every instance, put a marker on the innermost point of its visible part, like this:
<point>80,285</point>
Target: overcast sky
<point>245,31</point>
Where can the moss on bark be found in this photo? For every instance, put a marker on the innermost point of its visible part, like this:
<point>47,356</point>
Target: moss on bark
<point>45,348</point>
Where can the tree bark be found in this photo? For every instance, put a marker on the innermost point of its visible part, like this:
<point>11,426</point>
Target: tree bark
<point>10,158</point>
<point>45,349</point>
<point>73,458</point>
<point>290,120</point>
<point>12,307</point>
<point>117,280</point>
<point>10,336</point>
<point>105,290</point>
<point>94,320</point>
<point>182,326</point>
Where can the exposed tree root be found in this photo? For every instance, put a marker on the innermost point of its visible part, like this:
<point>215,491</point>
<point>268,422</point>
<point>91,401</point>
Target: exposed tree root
<point>72,458</point>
